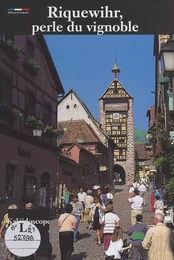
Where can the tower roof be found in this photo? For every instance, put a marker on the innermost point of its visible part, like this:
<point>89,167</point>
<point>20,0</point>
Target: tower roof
<point>115,68</point>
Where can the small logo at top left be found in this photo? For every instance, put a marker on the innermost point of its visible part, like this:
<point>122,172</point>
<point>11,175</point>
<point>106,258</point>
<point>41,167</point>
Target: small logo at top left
<point>18,10</point>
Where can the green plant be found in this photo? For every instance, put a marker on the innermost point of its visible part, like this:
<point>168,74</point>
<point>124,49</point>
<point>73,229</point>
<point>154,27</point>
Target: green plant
<point>160,162</point>
<point>15,48</point>
<point>33,64</point>
<point>16,113</point>
<point>170,190</point>
<point>50,130</point>
<point>33,121</point>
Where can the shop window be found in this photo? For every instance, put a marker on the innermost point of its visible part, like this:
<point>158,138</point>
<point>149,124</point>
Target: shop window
<point>5,89</point>
<point>29,189</point>
<point>9,180</point>
<point>47,114</point>
<point>30,104</point>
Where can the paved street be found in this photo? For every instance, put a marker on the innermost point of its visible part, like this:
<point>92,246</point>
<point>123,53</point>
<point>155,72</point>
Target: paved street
<point>86,247</point>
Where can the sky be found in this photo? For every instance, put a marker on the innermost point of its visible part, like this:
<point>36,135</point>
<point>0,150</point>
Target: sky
<point>84,63</point>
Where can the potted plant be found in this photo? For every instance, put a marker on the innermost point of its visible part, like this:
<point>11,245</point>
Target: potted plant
<point>49,130</point>
<point>12,49</point>
<point>32,66</point>
<point>33,121</point>
<point>16,113</point>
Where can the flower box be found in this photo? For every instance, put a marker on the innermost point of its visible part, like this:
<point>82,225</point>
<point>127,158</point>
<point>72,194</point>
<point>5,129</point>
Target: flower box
<point>49,130</point>
<point>32,121</point>
<point>11,49</point>
<point>32,66</point>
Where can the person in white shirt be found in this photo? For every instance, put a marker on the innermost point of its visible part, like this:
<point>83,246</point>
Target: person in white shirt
<point>88,205</point>
<point>142,189</point>
<point>109,195</point>
<point>110,220</point>
<point>158,205</point>
<point>136,205</point>
<point>131,189</point>
<point>116,244</point>
<point>81,197</point>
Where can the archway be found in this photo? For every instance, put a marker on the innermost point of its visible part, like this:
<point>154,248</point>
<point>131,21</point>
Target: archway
<point>45,191</point>
<point>119,173</point>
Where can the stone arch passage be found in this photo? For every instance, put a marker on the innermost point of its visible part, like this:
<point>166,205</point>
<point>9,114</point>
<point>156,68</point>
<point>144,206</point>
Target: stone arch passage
<point>120,172</point>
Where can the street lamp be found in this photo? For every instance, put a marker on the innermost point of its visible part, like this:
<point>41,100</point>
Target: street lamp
<point>37,131</point>
<point>167,59</point>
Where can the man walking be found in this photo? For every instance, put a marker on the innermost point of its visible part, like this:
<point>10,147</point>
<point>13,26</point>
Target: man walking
<point>159,240</point>
<point>142,189</point>
<point>136,205</point>
<point>138,232</point>
<point>77,212</point>
<point>81,197</point>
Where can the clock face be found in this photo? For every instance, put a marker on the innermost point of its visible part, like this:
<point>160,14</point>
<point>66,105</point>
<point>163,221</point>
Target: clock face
<point>115,115</point>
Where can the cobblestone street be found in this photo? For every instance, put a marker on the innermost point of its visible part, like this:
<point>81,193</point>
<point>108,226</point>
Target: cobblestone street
<point>86,247</point>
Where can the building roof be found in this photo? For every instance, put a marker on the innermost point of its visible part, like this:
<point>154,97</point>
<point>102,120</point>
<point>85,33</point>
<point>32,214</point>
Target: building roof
<point>151,113</point>
<point>69,160</point>
<point>122,87</point>
<point>87,111</point>
<point>51,64</point>
<point>78,131</point>
<point>140,152</point>
<point>81,147</point>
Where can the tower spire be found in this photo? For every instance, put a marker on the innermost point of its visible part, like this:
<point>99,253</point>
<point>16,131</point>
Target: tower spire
<point>115,71</point>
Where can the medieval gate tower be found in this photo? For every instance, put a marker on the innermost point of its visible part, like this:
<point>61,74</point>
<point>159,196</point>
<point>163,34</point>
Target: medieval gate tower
<point>116,119</point>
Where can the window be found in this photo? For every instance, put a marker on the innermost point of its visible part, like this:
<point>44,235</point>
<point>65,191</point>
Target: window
<point>9,180</point>
<point>47,114</point>
<point>5,37</point>
<point>67,107</point>
<point>75,105</point>
<point>5,89</point>
<point>29,185</point>
<point>30,50</point>
<point>30,104</point>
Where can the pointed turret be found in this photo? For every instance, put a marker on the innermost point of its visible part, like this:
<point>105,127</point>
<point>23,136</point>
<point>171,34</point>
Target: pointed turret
<point>115,71</point>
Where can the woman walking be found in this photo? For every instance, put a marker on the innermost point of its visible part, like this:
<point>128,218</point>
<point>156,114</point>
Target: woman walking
<point>97,212</point>
<point>67,224</point>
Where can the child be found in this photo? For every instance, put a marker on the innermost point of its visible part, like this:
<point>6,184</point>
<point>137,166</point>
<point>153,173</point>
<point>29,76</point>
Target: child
<point>116,245</point>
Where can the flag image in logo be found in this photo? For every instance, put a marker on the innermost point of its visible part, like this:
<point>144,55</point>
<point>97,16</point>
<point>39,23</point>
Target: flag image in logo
<point>18,10</point>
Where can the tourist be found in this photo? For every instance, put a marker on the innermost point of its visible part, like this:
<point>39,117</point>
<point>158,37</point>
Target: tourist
<point>101,195</point>
<point>97,212</point>
<point>138,232</point>
<point>81,198</point>
<point>158,205</point>
<point>136,205</point>
<point>159,240</point>
<point>4,252</point>
<point>110,220</point>
<point>142,192</point>
<point>66,197</point>
<point>29,206</point>
<point>67,224</point>
<point>131,190</point>
<point>88,204</point>
<point>116,244</point>
<point>77,212</point>
<point>109,195</point>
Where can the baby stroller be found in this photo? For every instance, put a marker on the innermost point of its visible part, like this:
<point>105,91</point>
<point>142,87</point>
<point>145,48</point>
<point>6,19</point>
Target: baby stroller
<point>124,254</point>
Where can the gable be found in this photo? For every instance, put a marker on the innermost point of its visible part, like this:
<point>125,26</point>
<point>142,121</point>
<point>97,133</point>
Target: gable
<point>115,90</point>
